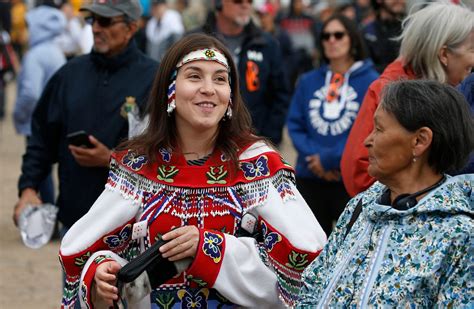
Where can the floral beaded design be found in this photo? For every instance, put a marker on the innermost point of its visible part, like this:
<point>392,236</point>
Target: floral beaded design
<point>165,154</point>
<point>134,161</point>
<point>121,239</point>
<point>270,239</point>
<point>255,169</point>
<point>210,53</point>
<point>216,175</point>
<point>167,173</point>
<point>212,246</point>
<point>193,300</point>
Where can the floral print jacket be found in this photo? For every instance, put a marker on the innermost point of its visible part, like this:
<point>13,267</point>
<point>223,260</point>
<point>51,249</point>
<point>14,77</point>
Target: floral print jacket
<point>418,258</point>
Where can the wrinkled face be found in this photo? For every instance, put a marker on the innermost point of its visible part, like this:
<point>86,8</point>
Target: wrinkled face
<point>202,95</point>
<point>336,41</point>
<point>460,61</point>
<point>110,40</point>
<point>390,147</point>
<point>237,11</point>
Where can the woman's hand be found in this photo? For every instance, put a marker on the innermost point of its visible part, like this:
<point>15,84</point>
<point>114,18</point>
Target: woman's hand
<point>182,243</point>
<point>105,281</point>
<point>333,175</point>
<point>315,166</point>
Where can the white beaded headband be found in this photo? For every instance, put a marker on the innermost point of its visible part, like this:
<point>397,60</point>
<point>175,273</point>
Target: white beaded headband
<point>204,54</point>
<point>209,54</point>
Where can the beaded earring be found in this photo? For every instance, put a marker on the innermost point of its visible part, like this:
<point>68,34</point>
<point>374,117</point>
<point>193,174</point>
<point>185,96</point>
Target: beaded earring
<point>228,112</point>
<point>171,95</point>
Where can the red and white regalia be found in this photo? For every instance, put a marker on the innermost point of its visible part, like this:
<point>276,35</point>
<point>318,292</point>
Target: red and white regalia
<point>227,270</point>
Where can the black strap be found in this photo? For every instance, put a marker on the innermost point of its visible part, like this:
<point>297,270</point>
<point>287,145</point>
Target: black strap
<point>354,217</point>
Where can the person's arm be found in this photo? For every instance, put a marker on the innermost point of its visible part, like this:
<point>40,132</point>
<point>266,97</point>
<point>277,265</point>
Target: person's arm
<point>296,122</point>
<point>279,95</point>
<point>42,148</point>
<point>260,274</point>
<point>457,290</point>
<point>354,161</point>
<point>96,239</point>
<point>28,93</point>
<point>29,90</point>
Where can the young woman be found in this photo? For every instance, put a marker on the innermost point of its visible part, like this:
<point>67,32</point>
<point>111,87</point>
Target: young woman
<point>200,180</point>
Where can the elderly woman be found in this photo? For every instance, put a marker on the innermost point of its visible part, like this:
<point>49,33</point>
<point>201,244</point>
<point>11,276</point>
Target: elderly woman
<point>200,180</point>
<point>436,44</point>
<point>322,111</point>
<point>407,240</point>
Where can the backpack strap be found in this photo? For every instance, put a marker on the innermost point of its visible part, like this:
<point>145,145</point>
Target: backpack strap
<point>354,217</point>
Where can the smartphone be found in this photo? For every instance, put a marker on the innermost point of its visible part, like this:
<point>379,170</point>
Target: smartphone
<point>80,139</point>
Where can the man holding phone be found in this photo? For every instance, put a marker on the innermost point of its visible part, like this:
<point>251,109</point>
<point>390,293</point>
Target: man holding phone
<point>91,93</point>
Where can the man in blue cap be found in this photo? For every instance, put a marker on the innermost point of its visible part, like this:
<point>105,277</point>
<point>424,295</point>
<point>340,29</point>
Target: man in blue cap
<point>91,93</point>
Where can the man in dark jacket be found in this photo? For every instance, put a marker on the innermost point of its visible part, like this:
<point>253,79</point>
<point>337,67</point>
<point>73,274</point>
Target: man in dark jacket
<point>379,34</point>
<point>90,93</point>
<point>263,81</point>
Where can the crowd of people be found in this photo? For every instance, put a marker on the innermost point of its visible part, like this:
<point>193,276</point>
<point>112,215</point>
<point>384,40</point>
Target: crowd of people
<point>180,109</point>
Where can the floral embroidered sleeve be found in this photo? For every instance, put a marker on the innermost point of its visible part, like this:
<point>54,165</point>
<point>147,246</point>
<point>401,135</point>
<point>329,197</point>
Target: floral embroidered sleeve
<point>106,228</point>
<point>264,274</point>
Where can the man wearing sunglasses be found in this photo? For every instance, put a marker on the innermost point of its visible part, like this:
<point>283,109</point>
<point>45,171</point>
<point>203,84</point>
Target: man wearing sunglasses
<point>263,81</point>
<point>90,93</point>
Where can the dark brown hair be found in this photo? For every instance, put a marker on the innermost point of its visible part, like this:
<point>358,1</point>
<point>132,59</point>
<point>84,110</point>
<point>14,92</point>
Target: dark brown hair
<point>232,134</point>
<point>357,50</point>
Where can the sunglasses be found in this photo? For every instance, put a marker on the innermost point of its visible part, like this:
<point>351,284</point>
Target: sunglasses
<point>104,22</point>
<point>326,36</point>
<point>242,1</point>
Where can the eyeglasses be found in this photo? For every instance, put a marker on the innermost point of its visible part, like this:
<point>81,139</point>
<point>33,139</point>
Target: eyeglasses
<point>242,1</point>
<point>104,22</point>
<point>326,36</point>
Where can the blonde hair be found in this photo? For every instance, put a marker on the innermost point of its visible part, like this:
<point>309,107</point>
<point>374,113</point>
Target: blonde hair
<point>426,31</point>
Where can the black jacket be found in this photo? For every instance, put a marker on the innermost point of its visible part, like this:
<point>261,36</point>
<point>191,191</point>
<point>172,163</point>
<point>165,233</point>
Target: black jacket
<point>87,94</point>
<point>263,79</point>
<point>379,36</point>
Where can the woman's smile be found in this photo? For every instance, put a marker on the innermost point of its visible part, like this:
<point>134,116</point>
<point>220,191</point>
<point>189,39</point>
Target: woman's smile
<point>206,107</point>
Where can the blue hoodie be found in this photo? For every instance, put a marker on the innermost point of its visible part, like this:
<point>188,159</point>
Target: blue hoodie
<point>320,127</point>
<point>42,60</point>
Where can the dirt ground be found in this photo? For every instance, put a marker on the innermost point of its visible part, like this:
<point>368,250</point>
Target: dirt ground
<point>31,278</point>
<point>28,278</point>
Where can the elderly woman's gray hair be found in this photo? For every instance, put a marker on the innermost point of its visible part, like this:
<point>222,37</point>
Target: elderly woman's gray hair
<point>426,31</point>
<point>440,107</point>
